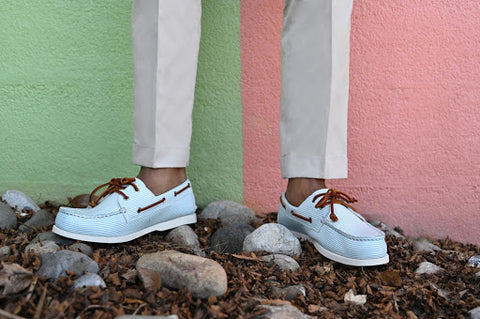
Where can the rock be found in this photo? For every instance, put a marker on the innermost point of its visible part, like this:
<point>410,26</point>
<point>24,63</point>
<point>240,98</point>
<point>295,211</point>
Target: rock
<point>201,276</point>
<point>59,240</point>
<point>284,262</point>
<point>19,200</point>
<point>80,201</point>
<point>89,280</point>
<point>290,292</point>
<point>8,218</point>
<point>184,236</point>
<point>351,298</point>
<point>5,252</point>
<point>273,238</point>
<point>474,261</point>
<point>422,244</point>
<point>42,218</point>
<point>151,279</point>
<point>55,264</point>
<point>283,312</point>
<point>146,317</point>
<point>475,313</point>
<point>427,268</point>
<point>229,239</point>
<point>81,247</point>
<point>228,212</point>
<point>389,231</point>
<point>42,247</point>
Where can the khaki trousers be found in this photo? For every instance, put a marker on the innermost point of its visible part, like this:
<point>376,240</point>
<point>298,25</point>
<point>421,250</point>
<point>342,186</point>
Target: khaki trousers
<point>314,98</point>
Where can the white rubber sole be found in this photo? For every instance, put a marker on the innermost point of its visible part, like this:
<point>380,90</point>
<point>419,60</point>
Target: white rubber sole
<point>342,259</point>
<point>188,219</point>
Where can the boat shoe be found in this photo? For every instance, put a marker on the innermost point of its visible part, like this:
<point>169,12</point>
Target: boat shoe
<point>337,231</point>
<point>126,210</point>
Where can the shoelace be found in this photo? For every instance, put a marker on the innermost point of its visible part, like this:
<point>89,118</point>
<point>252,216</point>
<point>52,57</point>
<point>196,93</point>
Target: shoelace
<point>115,185</point>
<point>331,197</point>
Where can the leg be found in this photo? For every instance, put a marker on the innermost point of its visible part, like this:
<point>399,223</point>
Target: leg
<point>315,65</point>
<point>166,39</point>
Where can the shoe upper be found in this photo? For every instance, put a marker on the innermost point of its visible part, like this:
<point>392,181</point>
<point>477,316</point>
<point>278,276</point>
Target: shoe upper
<point>343,231</point>
<point>132,208</point>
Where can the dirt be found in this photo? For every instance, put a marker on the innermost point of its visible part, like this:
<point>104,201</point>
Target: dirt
<point>393,290</point>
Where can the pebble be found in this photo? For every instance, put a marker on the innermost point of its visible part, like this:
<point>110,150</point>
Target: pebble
<point>229,239</point>
<point>183,236</point>
<point>5,252</point>
<point>83,248</point>
<point>390,231</point>
<point>228,212</point>
<point>8,218</point>
<point>475,313</point>
<point>284,262</point>
<point>351,298</point>
<point>474,261</point>
<point>201,276</point>
<point>55,264</point>
<point>290,292</point>
<point>19,200</point>
<point>42,218</point>
<point>283,312</point>
<point>427,268</point>
<point>59,240</point>
<point>89,280</point>
<point>423,244</point>
<point>42,247</point>
<point>273,238</point>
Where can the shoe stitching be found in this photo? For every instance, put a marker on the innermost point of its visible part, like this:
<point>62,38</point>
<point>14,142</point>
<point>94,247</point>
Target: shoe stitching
<point>91,217</point>
<point>376,238</point>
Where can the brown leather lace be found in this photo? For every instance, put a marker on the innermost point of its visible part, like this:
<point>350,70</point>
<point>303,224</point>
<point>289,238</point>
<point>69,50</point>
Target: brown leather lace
<point>331,197</point>
<point>116,185</point>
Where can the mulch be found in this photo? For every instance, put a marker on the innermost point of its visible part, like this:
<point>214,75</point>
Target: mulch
<point>393,290</point>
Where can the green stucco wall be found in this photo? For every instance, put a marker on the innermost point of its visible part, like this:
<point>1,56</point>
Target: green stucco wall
<point>66,98</point>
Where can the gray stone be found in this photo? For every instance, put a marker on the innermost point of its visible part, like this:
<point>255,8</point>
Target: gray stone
<point>8,218</point>
<point>423,244</point>
<point>59,240</point>
<point>427,268</point>
<point>83,248</point>
<point>184,236</point>
<point>54,265</point>
<point>201,276</point>
<point>273,238</point>
<point>5,252</point>
<point>89,280</point>
<point>474,261</point>
<point>42,247</point>
<point>229,239</point>
<point>19,200</point>
<point>475,313</point>
<point>284,262</point>
<point>351,298</point>
<point>283,312</point>
<point>146,317</point>
<point>390,231</point>
<point>42,218</point>
<point>290,292</point>
<point>228,212</point>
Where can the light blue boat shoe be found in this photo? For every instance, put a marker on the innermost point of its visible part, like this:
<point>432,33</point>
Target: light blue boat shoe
<point>337,231</point>
<point>126,210</point>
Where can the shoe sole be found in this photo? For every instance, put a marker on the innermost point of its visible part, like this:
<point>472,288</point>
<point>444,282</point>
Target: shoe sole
<point>184,220</point>
<point>342,259</point>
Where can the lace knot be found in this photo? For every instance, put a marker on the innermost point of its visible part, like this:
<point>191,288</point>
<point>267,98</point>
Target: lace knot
<point>115,185</point>
<point>331,197</point>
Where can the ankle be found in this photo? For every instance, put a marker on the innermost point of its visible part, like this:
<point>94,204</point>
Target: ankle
<point>161,180</point>
<point>298,189</point>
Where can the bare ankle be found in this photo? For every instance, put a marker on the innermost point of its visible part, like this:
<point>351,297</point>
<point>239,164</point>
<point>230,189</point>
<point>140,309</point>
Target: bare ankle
<point>160,180</point>
<point>298,189</point>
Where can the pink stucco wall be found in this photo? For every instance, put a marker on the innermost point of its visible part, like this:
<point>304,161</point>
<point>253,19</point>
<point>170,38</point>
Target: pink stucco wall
<point>414,151</point>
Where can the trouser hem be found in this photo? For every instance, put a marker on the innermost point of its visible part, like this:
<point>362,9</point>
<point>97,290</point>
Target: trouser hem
<point>160,157</point>
<point>299,166</point>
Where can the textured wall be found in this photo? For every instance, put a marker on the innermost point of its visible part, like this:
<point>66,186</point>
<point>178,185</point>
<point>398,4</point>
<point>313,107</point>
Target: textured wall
<point>414,151</point>
<point>66,98</point>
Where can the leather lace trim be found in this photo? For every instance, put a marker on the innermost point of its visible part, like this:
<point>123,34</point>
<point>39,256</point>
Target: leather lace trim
<point>115,185</point>
<point>331,197</point>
